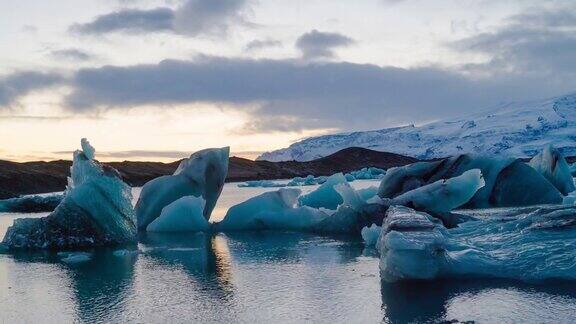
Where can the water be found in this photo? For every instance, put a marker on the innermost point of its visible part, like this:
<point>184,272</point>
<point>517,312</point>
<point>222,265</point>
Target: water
<point>254,278</point>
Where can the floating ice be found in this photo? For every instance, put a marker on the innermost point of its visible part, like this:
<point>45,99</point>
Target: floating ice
<point>74,257</point>
<point>183,215</point>
<point>573,169</point>
<point>271,210</point>
<point>261,183</point>
<point>508,182</point>
<point>371,234</point>
<point>443,195</point>
<point>31,204</point>
<point>326,195</point>
<point>552,165</point>
<point>96,211</point>
<point>366,174</point>
<point>402,179</point>
<point>201,175</point>
<point>532,244</point>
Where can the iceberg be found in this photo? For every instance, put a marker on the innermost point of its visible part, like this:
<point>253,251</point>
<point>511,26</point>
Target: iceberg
<point>507,182</point>
<point>271,210</point>
<point>96,211</point>
<point>370,173</point>
<point>31,204</point>
<point>402,179</point>
<point>183,215</point>
<point>201,175</point>
<point>261,183</point>
<point>573,169</point>
<point>552,165</point>
<point>371,234</point>
<point>530,244</point>
<point>326,195</point>
<point>443,195</point>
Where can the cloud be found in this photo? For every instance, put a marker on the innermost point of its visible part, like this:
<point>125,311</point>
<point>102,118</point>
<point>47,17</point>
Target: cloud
<point>18,84</point>
<point>538,42</point>
<point>259,44</point>
<point>295,95</point>
<point>129,21</point>
<point>192,18</point>
<point>71,54</point>
<point>316,44</point>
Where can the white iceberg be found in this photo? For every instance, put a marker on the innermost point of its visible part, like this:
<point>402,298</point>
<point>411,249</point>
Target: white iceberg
<point>96,211</point>
<point>532,244</point>
<point>443,195</point>
<point>183,215</point>
<point>552,165</point>
<point>201,175</point>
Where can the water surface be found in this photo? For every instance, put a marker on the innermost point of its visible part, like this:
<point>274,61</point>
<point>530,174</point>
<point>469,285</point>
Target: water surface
<point>254,278</point>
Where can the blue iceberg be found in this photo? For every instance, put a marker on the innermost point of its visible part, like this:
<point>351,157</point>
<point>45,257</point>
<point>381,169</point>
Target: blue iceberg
<point>31,204</point>
<point>530,244</point>
<point>552,165</point>
<point>201,175</point>
<point>96,211</point>
<point>183,215</point>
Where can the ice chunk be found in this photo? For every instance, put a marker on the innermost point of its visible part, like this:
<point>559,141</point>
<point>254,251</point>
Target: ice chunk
<point>349,177</point>
<point>31,204</point>
<point>201,175</point>
<point>552,165</point>
<point>183,215</point>
<point>367,193</point>
<point>367,173</point>
<point>508,182</point>
<point>326,195</point>
<point>531,245</point>
<point>443,195</point>
<point>261,183</point>
<point>371,234</point>
<point>573,169</point>
<point>96,211</point>
<point>271,210</point>
<point>74,257</point>
<point>88,149</point>
<point>402,179</point>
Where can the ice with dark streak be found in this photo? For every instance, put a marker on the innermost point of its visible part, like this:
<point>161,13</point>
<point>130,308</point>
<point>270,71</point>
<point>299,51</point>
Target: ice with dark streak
<point>96,211</point>
<point>531,245</point>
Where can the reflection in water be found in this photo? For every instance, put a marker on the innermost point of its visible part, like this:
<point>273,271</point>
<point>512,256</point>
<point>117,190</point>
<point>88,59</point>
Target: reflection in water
<point>502,301</point>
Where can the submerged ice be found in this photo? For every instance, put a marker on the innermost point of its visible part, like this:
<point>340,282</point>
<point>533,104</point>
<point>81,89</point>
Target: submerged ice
<point>201,175</point>
<point>533,244</point>
<point>96,211</point>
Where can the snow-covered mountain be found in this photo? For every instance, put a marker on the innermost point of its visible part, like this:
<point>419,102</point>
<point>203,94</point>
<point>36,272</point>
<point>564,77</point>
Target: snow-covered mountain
<point>518,129</point>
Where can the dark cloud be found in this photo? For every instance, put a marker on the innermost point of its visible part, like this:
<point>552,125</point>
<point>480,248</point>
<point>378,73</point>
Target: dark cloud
<point>316,44</point>
<point>292,94</point>
<point>18,84</point>
<point>193,17</point>
<point>537,42</point>
<point>258,44</point>
<point>71,54</point>
<point>129,20</point>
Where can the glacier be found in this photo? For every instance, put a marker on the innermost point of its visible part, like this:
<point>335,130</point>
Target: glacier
<point>185,214</point>
<point>201,175</point>
<point>96,211</point>
<point>552,165</point>
<point>530,244</point>
<point>518,129</point>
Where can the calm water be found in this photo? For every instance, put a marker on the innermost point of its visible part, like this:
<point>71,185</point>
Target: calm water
<point>254,278</point>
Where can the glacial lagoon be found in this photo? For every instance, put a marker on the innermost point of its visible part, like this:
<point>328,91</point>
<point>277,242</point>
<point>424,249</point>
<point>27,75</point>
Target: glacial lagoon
<point>254,278</point>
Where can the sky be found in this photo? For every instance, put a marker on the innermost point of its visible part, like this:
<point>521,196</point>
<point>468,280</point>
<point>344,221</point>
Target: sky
<point>159,79</point>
